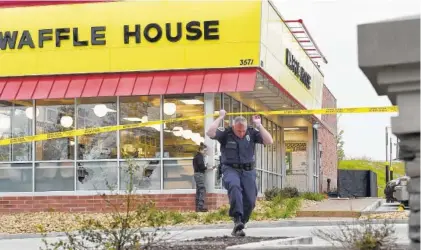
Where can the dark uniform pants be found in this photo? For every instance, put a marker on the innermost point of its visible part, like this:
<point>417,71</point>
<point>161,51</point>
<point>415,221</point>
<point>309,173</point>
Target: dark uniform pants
<point>199,178</point>
<point>242,191</point>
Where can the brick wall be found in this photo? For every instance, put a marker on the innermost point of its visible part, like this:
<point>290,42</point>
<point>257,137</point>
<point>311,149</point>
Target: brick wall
<point>96,203</point>
<point>329,160</point>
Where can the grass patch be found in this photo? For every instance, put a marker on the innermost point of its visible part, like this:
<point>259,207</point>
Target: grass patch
<point>376,166</point>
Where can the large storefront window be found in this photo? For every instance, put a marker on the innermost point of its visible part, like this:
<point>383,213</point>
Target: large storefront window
<point>16,120</point>
<point>181,138</point>
<point>55,116</point>
<point>94,113</point>
<point>6,115</point>
<point>146,175</point>
<point>178,174</point>
<point>54,176</point>
<point>99,161</point>
<point>16,177</point>
<point>141,142</point>
<point>97,176</point>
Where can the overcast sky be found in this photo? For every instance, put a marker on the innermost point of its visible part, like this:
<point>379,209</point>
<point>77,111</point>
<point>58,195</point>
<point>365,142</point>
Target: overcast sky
<point>333,25</point>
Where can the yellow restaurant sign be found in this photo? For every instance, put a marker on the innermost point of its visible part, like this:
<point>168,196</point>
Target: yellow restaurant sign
<point>129,36</point>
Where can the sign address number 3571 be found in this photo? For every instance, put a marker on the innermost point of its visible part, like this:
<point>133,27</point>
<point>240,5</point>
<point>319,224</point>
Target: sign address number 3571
<point>246,62</point>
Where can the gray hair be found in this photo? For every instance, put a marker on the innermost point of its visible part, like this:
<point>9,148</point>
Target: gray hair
<point>240,119</point>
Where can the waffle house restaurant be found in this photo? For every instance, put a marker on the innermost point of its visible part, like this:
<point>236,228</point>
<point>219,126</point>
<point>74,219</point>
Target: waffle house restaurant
<point>73,65</point>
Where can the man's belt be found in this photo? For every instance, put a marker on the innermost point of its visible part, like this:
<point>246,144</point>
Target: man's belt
<point>245,166</point>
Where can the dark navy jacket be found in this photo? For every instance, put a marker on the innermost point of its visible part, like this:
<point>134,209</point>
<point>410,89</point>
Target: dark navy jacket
<point>235,150</point>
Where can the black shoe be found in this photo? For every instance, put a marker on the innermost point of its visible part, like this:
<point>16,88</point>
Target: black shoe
<point>238,228</point>
<point>239,233</point>
<point>202,210</point>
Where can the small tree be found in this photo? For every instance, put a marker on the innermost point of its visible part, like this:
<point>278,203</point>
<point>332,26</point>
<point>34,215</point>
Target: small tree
<point>361,235</point>
<point>123,227</point>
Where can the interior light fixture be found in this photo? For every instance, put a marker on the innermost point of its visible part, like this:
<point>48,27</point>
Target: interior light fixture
<point>195,137</point>
<point>100,110</point>
<point>192,102</point>
<point>291,128</point>
<point>187,134</point>
<point>144,119</point>
<point>170,108</point>
<point>178,131</point>
<point>29,112</point>
<point>133,119</point>
<point>66,121</point>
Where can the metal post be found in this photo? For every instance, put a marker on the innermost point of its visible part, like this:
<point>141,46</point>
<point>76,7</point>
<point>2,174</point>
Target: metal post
<point>391,173</point>
<point>387,142</point>
<point>387,173</point>
<point>391,150</point>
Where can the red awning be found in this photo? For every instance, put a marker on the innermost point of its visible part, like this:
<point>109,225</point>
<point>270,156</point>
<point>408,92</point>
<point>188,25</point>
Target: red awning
<point>128,84</point>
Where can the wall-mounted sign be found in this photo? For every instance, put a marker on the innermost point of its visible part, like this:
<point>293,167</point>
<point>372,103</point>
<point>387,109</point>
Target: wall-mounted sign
<point>298,70</point>
<point>129,36</point>
<point>152,33</point>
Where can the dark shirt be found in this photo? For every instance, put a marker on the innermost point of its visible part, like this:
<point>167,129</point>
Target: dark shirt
<point>235,150</point>
<point>199,163</point>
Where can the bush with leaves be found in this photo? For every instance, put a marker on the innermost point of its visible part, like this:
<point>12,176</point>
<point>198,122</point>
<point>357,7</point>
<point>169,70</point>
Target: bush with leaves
<point>361,235</point>
<point>288,192</point>
<point>123,227</point>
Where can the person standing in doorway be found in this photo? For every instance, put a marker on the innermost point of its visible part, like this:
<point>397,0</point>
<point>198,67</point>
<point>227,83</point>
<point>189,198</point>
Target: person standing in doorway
<point>200,168</point>
<point>238,164</point>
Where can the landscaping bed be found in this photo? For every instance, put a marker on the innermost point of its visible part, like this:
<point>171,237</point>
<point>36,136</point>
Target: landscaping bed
<point>266,210</point>
<point>212,243</point>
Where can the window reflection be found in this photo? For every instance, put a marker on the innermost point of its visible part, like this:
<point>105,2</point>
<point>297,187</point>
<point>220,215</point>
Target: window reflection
<point>22,126</point>
<point>6,115</point>
<point>181,138</point>
<point>16,177</point>
<point>141,142</point>
<point>54,176</point>
<point>146,175</point>
<point>93,113</point>
<point>178,174</point>
<point>228,108</point>
<point>16,121</point>
<point>55,116</point>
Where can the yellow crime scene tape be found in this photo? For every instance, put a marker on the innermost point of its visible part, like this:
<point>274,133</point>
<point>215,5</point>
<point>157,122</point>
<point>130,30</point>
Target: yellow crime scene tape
<point>90,131</point>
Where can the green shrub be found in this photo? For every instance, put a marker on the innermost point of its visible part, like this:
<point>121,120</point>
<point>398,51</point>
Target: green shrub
<point>288,192</point>
<point>270,194</point>
<point>313,196</point>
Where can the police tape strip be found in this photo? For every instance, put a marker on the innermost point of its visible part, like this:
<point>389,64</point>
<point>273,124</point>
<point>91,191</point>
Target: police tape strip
<point>90,131</point>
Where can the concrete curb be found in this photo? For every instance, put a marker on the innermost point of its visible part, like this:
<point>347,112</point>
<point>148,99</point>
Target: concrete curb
<point>372,208</point>
<point>266,224</point>
<point>274,243</point>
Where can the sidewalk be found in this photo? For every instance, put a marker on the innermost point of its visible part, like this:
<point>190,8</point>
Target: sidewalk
<point>35,243</point>
<point>280,224</point>
<point>350,208</point>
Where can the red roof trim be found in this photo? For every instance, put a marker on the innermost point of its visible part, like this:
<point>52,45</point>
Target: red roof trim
<point>128,84</point>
